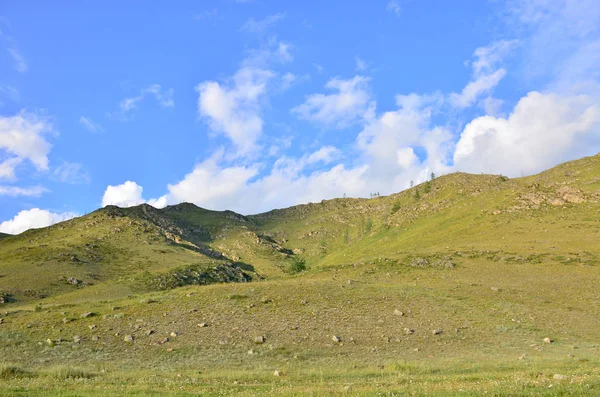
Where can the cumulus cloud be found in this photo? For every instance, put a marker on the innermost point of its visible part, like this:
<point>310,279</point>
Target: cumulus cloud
<point>127,194</point>
<point>542,131</point>
<point>351,103</point>
<point>233,108</point>
<point>22,136</point>
<point>90,124</point>
<point>32,219</point>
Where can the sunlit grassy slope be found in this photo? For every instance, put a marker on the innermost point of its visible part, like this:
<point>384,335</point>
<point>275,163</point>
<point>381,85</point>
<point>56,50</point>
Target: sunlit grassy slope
<point>448,291</point>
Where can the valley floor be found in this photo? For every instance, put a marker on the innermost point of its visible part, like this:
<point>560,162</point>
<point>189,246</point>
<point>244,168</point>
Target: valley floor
<point>378,329</point>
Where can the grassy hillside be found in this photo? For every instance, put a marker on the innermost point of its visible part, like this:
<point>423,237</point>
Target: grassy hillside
<point>449,291</point>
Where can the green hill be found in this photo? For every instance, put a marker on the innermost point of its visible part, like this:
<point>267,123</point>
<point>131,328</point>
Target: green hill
<point>453,284</point>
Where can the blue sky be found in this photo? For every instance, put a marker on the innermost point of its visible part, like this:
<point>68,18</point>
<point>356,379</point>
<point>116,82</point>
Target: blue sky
<point>253,105</point>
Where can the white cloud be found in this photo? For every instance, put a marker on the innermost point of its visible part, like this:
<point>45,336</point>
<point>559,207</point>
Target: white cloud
<point>10,93</point>
<point>233,109</point>
<point>16,191</point>
<point>361,64</point>
<point>261,26</point>
<point>394,6</point>
<point>22,136</point>
<point>206,15</point>
<point>273,52</point>
<point>32,219</point>
<point>72,173</point>
<point>7,168</point>
<point>164,98</point>
<point>383,136</point>
<point>350,104</point>
<point>20,63</point>
<point>127,194</point>
<point>213,186</point>
<point>325,155</point>
<point>486,74</point>
<point>90,124</point>
<point>406,157</point>
<point>543,130</point>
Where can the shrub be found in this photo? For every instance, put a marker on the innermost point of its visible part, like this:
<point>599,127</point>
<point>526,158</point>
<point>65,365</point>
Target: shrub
<point>71,373</point>
<point>298,265</point>
<point>11,371</point>
<point>395,207</point>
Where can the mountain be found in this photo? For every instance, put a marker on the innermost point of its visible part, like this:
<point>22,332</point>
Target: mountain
<point>117,251</point>
<point>479,268</point>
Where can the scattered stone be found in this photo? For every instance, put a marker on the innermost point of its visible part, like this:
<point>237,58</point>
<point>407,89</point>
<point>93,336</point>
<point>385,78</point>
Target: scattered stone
<point>336,339</point>
<point>560,377</point>
<point>259,340</point>
<point>73,281</point>
<point>77,339</point>
<point>95,338</point>
<point>409,331</point>
<point>163,341</point>
<point>497,212</point>
<point>170,349</point>
<point>193,310</point>
<point>523,356</point>
<point>250,352</point>
<point>548,340</point>
<point>93,326</point>
<point>266,300</point>
<point>87,314</point>
<point>174,334</point>
<point>557,202</point>
<point>202,325</point>
<point>495,289</point>
<point>416,349</point>
<point>49,342</point>
<point>398,313</point>
<point>437,332</point>
<point>277,373</point>
<point>128,338</point>
<point>304,302</point>
<point>65,320</point>
<point>1,320</point>
<point>149,332</point>
<point>189,294</point>
<point>148,301</point>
